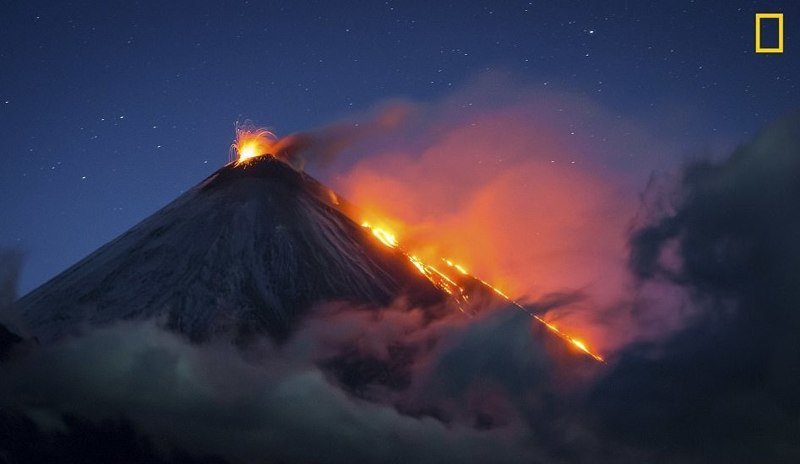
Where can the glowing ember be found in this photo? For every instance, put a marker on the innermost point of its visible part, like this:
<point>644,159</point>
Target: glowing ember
<point>449,286</point>
<point>252,143</point>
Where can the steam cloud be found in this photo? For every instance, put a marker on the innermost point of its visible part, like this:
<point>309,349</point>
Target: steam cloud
<point>353,385</point>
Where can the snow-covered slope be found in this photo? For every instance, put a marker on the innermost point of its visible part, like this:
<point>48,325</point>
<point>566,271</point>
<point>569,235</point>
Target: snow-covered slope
<point>248,250</point>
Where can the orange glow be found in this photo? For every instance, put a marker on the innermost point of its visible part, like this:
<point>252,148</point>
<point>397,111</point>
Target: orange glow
<point>575,342</point>
<point>333,198</point>
<point>418,264</point>
<point>386,237</point>
<point>512,201</point>
<point>457,267</point>
<point>435,276</point>
<point>448,285</point>
<point>252,143</point>
<point>580,345</point>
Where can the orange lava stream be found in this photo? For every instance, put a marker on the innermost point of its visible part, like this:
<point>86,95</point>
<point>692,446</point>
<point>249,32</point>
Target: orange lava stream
<point>449,286</point>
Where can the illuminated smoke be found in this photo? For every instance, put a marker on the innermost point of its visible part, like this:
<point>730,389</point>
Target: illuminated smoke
<point>448,283</point>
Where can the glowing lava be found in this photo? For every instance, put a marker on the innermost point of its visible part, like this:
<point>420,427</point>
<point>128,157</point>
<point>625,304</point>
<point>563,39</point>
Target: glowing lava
<point>252,143</point>
<point>386,237</point>
<point>449,286</point>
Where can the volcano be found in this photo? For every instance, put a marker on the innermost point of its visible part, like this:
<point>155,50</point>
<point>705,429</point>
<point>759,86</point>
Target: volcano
<point>247,251</point>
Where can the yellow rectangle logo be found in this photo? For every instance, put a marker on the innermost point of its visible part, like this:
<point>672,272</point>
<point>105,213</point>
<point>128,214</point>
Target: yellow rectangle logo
<point>759,17</point>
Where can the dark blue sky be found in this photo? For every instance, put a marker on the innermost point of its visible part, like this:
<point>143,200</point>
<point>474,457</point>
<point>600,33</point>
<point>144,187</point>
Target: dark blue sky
<point>108,110</point>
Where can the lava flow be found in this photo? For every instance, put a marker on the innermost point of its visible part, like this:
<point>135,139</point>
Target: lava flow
<point>434,275</point>
<point>448,284</point>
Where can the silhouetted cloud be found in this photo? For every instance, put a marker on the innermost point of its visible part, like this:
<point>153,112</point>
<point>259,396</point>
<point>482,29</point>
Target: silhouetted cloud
<point>724,389</point>
<point>209,400</point>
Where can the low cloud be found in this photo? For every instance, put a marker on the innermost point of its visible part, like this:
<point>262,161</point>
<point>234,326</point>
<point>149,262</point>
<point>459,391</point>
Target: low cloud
<point>282,403</point>
<point>724,389</point>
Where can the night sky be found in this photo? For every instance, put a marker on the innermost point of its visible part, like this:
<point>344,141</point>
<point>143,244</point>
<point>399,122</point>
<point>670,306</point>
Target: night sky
<point>109,110</point>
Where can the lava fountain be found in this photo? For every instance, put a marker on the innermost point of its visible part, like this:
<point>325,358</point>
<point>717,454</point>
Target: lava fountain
<point>251,143</point>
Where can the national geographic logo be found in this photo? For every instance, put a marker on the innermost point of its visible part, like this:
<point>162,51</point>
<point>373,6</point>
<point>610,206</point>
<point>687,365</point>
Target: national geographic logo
<point>772,46</point>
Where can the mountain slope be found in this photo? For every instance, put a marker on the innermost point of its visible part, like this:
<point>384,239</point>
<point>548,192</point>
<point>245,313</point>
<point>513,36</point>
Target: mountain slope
<point>248,250</point>
<point>7,341</point>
